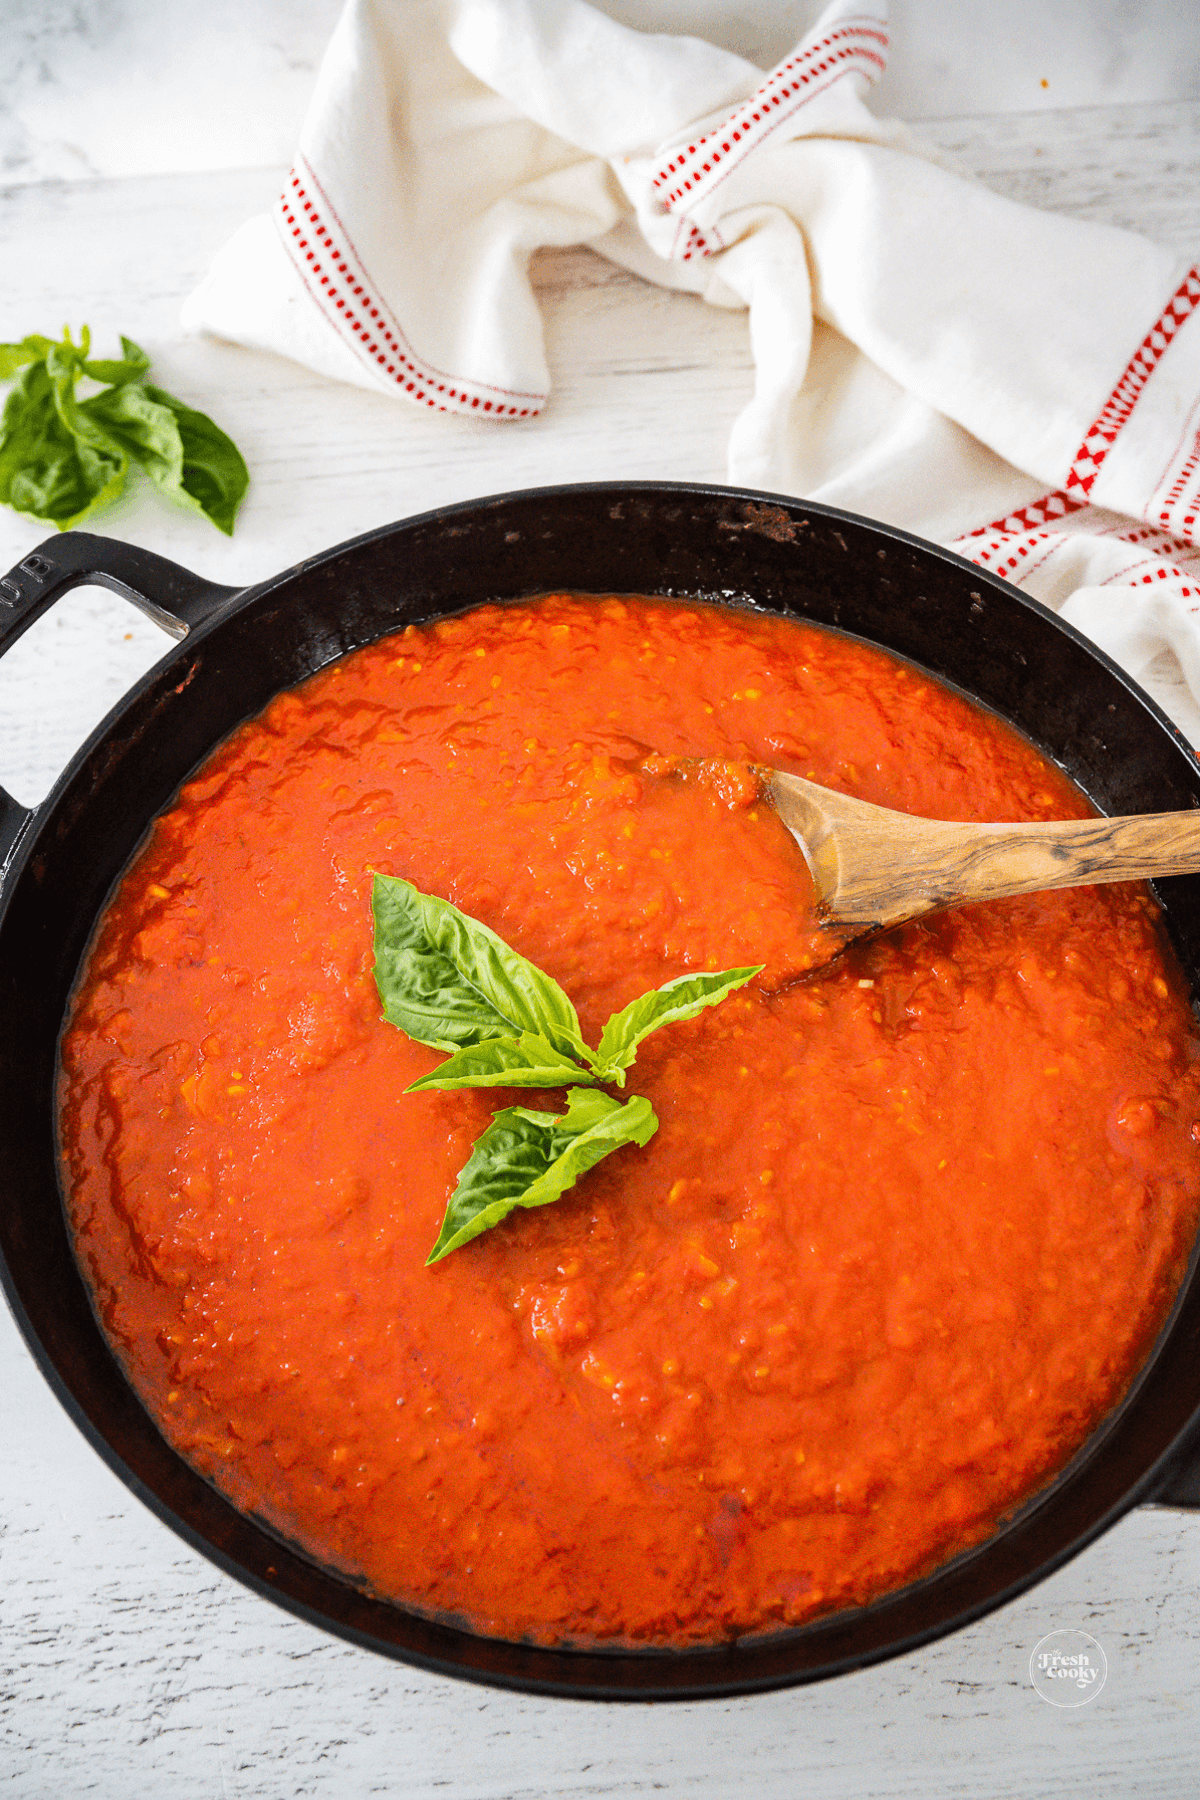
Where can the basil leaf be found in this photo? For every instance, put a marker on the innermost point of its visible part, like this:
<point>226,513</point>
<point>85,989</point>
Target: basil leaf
<point>150,426</point>
<point>215,476</point>
<point>46,468</point>
<point>134,364</point>
<point>146,431</point>
<point>682,998</point>
<point>15,356</point>
<point>531,1158</point>
<point>449,982</point>
<point>527,1061</point>
<point>26,424</point>
<point>62,364</point>
<point>104,462</point>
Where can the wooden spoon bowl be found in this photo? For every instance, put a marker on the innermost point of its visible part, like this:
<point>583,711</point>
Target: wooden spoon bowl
<point>872,867</point>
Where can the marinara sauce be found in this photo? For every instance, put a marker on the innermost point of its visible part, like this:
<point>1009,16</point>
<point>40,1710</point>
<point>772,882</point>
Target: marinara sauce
<point>907,1230</point>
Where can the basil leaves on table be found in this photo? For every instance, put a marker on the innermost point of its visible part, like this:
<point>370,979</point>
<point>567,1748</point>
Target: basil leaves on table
<point>63,458</point>
<point>453,984</point>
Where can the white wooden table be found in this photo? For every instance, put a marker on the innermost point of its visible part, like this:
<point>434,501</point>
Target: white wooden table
<point>128,1665</point>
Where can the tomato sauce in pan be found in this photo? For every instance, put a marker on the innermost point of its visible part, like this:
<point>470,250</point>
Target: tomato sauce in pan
<point>906,1233</point>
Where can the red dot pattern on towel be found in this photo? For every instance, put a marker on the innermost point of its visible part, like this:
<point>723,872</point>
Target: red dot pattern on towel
<point>333,276</point>
<point>858,46</point>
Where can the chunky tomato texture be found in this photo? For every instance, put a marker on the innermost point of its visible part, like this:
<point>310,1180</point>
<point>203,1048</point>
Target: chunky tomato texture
<point>906,1232</point>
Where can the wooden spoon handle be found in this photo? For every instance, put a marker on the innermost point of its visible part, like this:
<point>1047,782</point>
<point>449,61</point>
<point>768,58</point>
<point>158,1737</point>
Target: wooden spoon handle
<point>952,865</point>
<point>886,866</point>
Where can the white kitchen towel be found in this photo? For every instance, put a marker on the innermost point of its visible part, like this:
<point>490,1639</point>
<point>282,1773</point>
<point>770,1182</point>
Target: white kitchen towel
<point>1022,386</point>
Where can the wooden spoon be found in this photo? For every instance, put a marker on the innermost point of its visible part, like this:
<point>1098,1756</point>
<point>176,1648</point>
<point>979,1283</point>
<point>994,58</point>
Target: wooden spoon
<point>872,867</point>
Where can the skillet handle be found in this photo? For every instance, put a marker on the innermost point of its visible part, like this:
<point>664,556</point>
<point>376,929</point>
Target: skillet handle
<point>13,820</point>
<point>173,597</point>
<point>1181,1486</point>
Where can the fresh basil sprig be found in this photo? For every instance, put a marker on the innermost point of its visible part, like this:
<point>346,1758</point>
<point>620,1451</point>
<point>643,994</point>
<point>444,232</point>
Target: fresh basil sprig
<point>63,458</point>
<point>449,982</point>
<point>453,984</point>
<point>525,1061</point>
<point>529,1158</point>
<point>680,999</point>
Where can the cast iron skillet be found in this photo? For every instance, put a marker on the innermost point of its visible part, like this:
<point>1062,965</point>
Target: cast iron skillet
<point>60,860</point>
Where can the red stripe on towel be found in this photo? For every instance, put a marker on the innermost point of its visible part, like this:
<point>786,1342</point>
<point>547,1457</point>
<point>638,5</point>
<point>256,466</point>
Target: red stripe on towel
<point>324,256</point>
<point>1007,545</point>
<point>1100,439</point>
<point>854,46</point>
